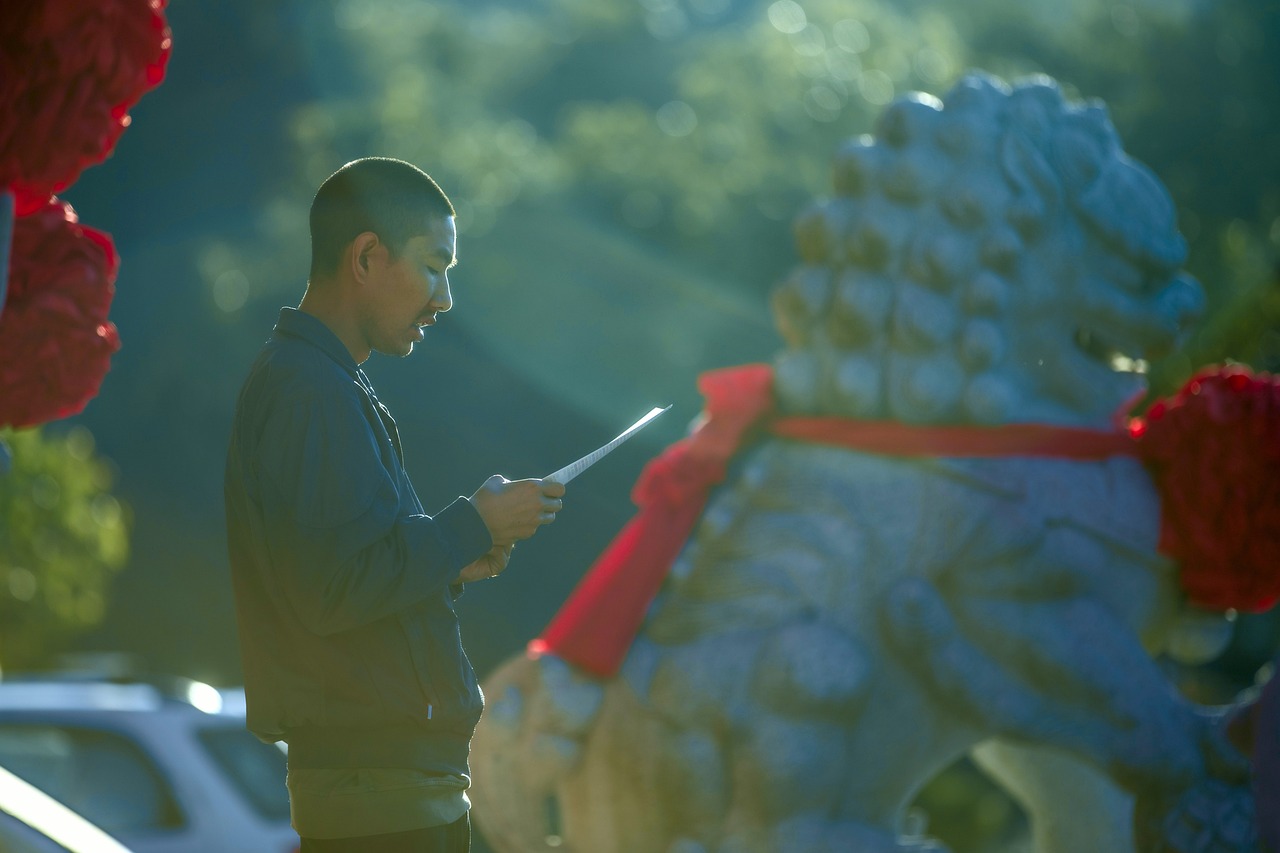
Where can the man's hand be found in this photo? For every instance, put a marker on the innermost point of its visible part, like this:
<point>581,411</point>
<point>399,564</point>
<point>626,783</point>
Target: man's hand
<point>488,566</point>
<point>515,509</point>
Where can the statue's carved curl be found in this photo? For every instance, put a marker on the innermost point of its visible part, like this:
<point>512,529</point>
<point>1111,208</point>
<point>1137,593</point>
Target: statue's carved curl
<point>944,285</point>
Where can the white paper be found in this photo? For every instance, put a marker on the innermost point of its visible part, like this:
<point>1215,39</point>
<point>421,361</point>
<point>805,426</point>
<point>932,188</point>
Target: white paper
<point>573,469</point>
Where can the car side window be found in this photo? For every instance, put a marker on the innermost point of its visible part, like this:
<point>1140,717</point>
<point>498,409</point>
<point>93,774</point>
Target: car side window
<point>104,776</point>
<point>256,769</point>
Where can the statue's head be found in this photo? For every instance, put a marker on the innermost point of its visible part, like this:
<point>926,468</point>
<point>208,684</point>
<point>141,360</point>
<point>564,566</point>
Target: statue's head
<point>992,257</point>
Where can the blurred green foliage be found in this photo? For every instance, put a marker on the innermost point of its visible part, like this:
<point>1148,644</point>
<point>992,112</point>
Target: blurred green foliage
<point>700,127</point>
<point>63,536</point>
<point>625,173</point>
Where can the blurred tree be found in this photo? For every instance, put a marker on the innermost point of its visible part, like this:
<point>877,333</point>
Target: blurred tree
<point>1193,89</point>
<point>701,126</point>
<point>697,124</point>
<point>62,536</point>
<point>600,151</point>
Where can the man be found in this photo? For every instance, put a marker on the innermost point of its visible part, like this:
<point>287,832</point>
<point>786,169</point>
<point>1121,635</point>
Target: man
<point>344,587</point>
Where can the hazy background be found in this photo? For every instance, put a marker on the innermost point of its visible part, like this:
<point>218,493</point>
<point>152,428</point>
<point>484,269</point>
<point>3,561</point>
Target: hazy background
<point>625,172</point>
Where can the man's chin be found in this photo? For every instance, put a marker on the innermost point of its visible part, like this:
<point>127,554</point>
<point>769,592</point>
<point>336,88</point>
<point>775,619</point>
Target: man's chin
<point>398,351</point>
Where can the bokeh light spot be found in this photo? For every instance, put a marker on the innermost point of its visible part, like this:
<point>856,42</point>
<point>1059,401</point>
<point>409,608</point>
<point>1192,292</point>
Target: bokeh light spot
<point>851,35</point>
<point>822,104</point>
<point>499,188</point>
<point>312,126</point>
<point>474,218</point>
<point>809,41</point>
<point>22,584</point>
<point>205,697</point>
<point>106,510</point>
<point>676,118</point>
<point>876,87</point>
<point>666,22</point>
<point>517,137</point>
<point>843,66</point>
<point>231,291</point>
<point>932,66</point>
<point>787,17</point>
<point>813,67</point>
<point>80,443</point>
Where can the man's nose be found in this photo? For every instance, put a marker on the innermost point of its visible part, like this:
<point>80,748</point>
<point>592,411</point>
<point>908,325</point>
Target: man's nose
<point>441,296</point>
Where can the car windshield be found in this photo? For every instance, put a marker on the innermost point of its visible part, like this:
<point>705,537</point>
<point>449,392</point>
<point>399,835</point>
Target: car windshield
<point>256,769</point>
<point>102,775</point>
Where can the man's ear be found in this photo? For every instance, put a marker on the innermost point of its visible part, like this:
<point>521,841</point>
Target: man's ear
<point>364,247</point>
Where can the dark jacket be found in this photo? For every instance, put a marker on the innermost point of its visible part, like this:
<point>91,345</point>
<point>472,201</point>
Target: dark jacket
<point>343,590</point>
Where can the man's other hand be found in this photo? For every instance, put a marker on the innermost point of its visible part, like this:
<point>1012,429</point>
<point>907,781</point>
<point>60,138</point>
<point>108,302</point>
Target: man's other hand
<point>488,566</point>
<point>515,509</point>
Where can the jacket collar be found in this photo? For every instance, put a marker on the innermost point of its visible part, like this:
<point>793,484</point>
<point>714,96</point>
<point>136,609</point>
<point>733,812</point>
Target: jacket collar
<point>299,324</point>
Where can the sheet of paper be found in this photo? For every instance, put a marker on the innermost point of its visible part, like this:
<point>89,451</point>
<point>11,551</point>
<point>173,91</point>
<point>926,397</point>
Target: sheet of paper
<point>573,469</point>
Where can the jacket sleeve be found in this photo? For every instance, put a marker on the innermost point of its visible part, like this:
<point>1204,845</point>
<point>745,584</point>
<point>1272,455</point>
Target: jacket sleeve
<point>341,554</point>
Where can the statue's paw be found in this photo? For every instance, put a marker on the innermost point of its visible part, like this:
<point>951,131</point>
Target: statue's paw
<point>569,701</point>
<point>1209,817</point>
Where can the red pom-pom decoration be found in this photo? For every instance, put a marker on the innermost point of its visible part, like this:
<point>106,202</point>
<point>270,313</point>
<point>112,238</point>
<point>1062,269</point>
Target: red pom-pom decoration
<point>1214,451</point>
<point>55,339</point>
<point>69,73</point>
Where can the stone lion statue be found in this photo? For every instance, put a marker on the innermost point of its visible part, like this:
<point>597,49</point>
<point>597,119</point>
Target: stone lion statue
<point>843,624</point>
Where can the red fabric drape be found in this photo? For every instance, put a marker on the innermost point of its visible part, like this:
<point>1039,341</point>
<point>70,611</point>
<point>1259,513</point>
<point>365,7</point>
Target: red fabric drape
<point>596,625</point>
<point>1217,440</point>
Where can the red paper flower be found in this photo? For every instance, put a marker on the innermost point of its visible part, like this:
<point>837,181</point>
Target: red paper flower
<point>1214,450</point>
<point>69,73</point>
<point>55,340</point>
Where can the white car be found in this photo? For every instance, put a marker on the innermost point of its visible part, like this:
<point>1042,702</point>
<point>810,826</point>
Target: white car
<point>33,822</point>
<point>162,771</point>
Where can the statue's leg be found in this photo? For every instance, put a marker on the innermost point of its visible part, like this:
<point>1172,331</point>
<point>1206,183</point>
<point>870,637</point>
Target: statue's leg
<point>1060,673</point>
<point>1072,805</point>
<point>528,741</point>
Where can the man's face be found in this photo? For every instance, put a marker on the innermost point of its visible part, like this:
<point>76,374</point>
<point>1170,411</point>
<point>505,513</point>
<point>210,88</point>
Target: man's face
<point>406,294</point>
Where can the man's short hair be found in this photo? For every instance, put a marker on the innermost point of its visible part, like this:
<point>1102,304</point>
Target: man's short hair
<point>389,197</point>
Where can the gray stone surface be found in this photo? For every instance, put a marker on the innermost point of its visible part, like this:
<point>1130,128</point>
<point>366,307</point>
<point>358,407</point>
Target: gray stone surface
<point>843,626</point>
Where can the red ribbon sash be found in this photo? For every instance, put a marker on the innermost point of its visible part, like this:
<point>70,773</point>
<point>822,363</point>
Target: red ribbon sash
<point>598,622</point>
